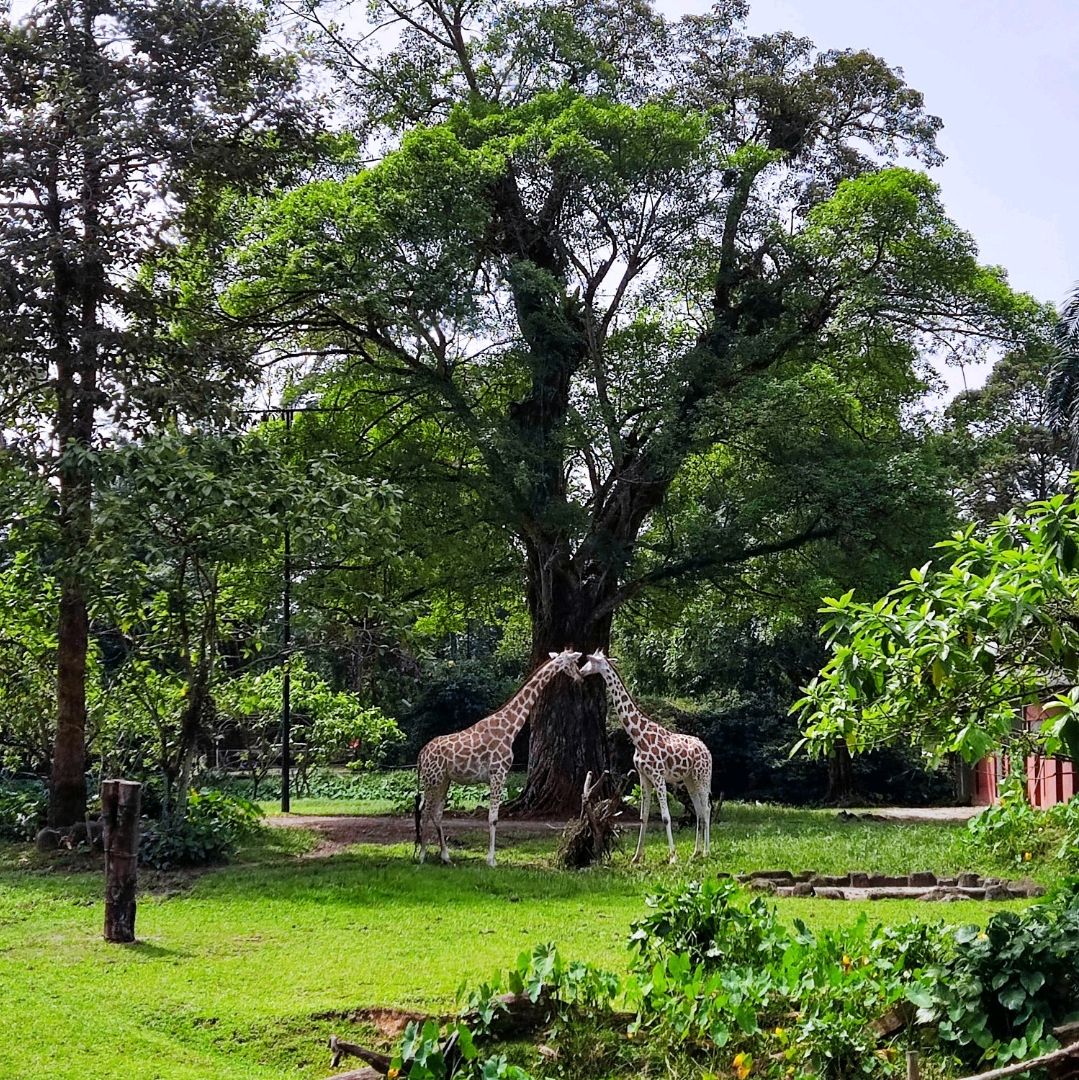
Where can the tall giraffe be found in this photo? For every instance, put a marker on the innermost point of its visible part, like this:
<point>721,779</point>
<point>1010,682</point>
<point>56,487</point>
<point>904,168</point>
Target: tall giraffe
<point>662,757</point>
<point>481,752</point>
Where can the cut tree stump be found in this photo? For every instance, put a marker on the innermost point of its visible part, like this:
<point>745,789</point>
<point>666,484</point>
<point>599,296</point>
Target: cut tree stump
<point>120,818</point>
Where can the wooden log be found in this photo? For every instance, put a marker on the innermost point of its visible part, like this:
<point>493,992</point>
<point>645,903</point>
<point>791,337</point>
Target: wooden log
<point>120,817</point>
<point>1053,1058</point>
<point>379,1062</point>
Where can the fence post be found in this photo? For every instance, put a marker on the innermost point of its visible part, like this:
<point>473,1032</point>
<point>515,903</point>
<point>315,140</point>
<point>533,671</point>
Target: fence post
<point>913,1072</point>
<point>120,826</point>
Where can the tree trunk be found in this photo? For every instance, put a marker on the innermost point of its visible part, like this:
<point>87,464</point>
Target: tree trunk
<point>840,777</point>
<point>192,725</point>
<point>120,818</point>
<point>567,732</point>
<point>67,790</point>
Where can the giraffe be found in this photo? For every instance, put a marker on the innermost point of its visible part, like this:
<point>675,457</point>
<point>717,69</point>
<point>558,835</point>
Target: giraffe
<point>662,757</point>
<point>481,752</point>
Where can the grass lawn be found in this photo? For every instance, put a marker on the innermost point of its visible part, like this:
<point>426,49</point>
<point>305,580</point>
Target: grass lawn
<point>243,971</point>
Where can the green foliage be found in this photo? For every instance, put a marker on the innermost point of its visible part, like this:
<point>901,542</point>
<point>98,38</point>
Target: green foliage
<point>1001,440</point>
<point>709,923</point>
<point>946,658</point>
<point>397,788</point>
<point>717,979</point>
<point>994,995</point>
<point>714,968</point>
<point>27,664</point>
<point>210,831</point>
<point>333,725</point>
<point>1016,833</point>
<point>22,809</point>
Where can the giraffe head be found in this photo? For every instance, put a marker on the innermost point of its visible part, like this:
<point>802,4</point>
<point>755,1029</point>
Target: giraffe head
<point>596,663</point>
<point>566,661</point>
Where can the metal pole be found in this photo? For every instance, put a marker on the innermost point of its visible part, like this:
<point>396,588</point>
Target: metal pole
<point>286,635</point>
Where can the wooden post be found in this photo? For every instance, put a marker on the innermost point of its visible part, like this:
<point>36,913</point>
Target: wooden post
<point>913,1071</point>
<point>120,819</point>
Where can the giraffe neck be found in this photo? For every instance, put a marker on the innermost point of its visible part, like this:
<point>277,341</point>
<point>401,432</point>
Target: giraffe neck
<point>521,704</point>
<point>627,711</point>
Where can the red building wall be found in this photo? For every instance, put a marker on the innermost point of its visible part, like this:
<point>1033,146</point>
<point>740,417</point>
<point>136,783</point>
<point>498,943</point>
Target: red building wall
<point>1049,780</point>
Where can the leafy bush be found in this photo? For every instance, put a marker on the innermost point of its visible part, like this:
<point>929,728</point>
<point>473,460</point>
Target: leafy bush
<point>332,724</point>
<point>211,830</point>
<point>1015,832</point>
<point>719,987</point>
<point>996,994</point>
<point>715,969</point>
<point>23,805</point>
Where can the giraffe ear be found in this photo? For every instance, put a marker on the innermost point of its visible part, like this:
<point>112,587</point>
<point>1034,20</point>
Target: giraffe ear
<point>553,656</point>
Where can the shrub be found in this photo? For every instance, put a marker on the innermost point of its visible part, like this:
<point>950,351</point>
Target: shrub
<point>719,987</point>
<point>715,969</point>
<point>211,830</point>
<point>996,994</point>
<point>1015,832</point>
<point>23,806</point>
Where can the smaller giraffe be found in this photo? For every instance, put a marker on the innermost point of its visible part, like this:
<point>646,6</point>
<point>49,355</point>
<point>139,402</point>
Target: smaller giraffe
<point>481,752</point>
<point>662,757</point>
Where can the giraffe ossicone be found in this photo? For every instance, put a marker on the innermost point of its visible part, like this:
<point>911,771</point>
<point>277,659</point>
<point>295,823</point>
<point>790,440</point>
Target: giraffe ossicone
<point>662,757</point>
<point>481,753</point>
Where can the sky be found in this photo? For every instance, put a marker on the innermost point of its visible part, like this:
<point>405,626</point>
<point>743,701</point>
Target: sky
<point>1003,75</point>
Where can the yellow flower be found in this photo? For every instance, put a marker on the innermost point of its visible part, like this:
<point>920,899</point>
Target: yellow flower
<point>780,1032</point>
<point>983,936</point>
<point>845,962</point>
<point>1026,856</point>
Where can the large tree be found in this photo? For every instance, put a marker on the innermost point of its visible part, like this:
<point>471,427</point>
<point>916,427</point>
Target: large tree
<point>117,119</point>
<point>1002,439</point>
<point>592,241</point>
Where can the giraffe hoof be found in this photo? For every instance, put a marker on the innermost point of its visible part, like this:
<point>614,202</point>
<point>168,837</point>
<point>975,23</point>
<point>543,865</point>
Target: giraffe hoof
<point>672,860</point>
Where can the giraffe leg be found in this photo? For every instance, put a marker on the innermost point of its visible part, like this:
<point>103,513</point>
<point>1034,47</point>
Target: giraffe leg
<point>646,803</point>
<point>438,805</point>
<point>665,814</point>
<point>431,804</point>
<point>498,787</point>
<point>700,808</point>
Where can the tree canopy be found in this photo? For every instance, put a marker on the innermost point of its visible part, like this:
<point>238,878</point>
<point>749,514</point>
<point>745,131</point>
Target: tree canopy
<point>597,249</point>
<point>118,121</point>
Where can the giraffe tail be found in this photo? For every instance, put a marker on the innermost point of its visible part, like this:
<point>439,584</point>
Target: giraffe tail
<point>418,809</point>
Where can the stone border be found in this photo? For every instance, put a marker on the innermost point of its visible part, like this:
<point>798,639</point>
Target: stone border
<point>857,885</point>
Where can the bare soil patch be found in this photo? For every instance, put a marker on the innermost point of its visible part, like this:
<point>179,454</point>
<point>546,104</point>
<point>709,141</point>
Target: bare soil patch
<point>339,832</point>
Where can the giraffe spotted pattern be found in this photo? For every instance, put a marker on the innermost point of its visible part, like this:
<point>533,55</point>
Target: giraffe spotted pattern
<point>662,757</point>
<point>479,754</point>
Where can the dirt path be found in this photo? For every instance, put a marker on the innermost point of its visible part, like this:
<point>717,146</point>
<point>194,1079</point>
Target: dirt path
<point>341,831</point>
<point>338,833</point>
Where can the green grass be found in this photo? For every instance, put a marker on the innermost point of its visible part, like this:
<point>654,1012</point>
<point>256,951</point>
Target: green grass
<point>324,807</point>
<point>242,971</point>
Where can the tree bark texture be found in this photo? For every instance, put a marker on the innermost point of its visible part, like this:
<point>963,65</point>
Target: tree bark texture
<point>67,788</point>
<point>120,801</point>
<point>567,732</point>
<point>840,777</point>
